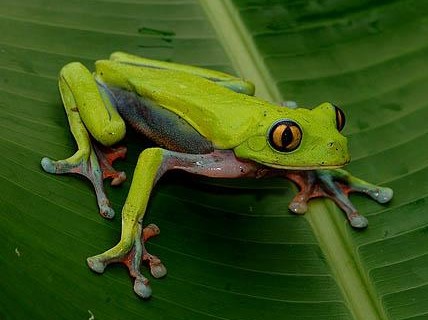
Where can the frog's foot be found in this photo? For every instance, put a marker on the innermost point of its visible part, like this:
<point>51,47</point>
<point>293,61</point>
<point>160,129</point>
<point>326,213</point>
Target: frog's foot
<point>336,185</point>
<point>106,157</point>
<point>131,254</point>
<point>85,165</point>
<point>95,165</point>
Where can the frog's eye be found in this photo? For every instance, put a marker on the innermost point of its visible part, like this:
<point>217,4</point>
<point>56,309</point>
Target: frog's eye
<point>285,136</point>
<point>340,118</point>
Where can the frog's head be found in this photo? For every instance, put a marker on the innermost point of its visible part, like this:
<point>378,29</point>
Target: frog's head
<point>298,139</point>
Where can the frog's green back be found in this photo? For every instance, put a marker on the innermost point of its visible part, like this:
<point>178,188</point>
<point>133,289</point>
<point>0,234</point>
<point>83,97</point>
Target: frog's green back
<point>224,117</point>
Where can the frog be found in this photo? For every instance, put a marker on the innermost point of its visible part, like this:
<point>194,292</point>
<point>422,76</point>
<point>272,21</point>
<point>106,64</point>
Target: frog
<point>203,122</point>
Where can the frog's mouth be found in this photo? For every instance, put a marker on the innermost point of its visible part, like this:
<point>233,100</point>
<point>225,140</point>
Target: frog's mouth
<point>314,167</point>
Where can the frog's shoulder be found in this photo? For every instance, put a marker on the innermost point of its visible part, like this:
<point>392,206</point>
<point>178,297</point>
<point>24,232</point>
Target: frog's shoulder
<point>224,117</point>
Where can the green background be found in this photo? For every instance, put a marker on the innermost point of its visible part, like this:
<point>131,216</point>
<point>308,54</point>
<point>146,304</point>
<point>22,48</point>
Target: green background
<point>232,249</point>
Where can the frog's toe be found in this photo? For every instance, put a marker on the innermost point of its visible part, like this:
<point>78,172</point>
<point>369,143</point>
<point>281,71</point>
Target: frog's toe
<point>299,207</point>
<point>118,178</point>
<point>106,156</point>
<point>157,269</point>
<point>57,167</point>
<point>358,221</point>
<point>142,287</point>
<point>382,194</point>
<point>105,210</point>
<point>150,231</point>
<point>48,165</point>
<point>95,264</point>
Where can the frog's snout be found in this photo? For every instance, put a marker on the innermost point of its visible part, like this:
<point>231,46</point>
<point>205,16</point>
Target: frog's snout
<point>339,150</point>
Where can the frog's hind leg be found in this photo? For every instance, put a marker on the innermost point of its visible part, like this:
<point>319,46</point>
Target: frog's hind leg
<point>131,249</point>
<point>222,79</point>
<point>86,109</point>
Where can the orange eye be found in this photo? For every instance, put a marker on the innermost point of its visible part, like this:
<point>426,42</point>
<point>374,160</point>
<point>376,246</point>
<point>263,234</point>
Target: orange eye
<point>340,118</point>
<point>285,136</point>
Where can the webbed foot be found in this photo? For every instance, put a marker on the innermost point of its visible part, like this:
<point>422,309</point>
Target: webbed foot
<point>95,165</point>
<point>106,157</point>
<point>132,254</point>
<point>336,185</point>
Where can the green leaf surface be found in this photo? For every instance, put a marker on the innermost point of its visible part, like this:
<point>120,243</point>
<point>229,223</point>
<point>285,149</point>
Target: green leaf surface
<point>232,249</point>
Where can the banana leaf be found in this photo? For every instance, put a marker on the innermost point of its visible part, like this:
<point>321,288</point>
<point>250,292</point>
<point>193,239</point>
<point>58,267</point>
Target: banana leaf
<point>232,248</point>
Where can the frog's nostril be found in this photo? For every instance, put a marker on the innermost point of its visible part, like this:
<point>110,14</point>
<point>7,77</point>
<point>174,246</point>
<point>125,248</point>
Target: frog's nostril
<point>332,145</point>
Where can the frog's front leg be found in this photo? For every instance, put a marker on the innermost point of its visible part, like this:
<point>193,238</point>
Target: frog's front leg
<point>152,164</point>
<point>87,110</point>
<point>336,185</point>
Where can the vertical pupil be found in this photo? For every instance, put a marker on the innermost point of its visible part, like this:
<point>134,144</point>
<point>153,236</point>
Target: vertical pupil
<point>340,118</point>
<point>287,136</point>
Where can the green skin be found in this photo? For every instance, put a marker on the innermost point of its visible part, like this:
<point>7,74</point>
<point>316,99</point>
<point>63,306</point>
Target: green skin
<point>221,110</point>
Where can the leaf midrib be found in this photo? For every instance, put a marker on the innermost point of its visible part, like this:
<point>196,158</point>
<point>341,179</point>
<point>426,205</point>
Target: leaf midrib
<point>241,50</point>
<point>346,269</point>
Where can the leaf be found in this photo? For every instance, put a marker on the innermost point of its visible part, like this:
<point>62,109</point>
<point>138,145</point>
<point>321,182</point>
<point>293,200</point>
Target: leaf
<point>232,249</point>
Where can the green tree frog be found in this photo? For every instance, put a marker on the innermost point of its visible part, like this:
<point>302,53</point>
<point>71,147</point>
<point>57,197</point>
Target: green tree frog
<point>205,122</point>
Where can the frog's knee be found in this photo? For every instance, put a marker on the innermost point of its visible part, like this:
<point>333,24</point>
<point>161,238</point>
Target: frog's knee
<point>73,69</point>
<point>240,86</point>
<point>150,161</point>
<point>155,155</point>
<point>112,133</point>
